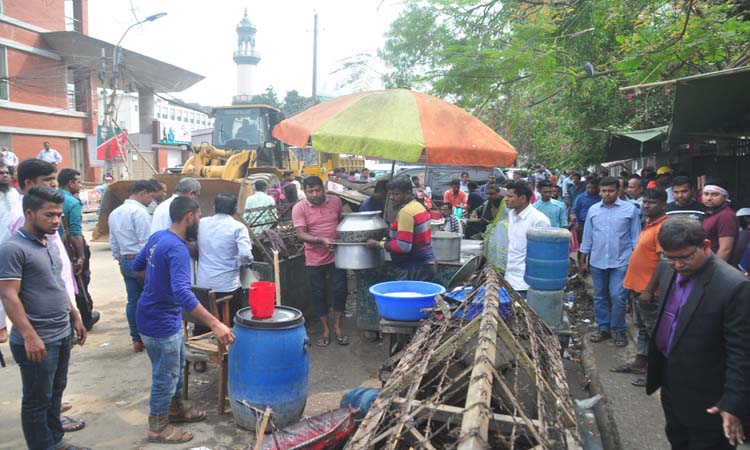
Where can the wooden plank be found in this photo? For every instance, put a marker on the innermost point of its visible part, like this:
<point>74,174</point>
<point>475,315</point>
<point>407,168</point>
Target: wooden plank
<point>498,422</point>
<point>421,440</point>
<point>476,420</point>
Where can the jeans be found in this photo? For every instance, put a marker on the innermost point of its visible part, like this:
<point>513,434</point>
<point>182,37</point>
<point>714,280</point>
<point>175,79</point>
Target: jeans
<point>645,319</point>
<point>167,357</point>
<point>134,288</point>
<point>318,276</point>
<point>424,272</point>
<point>608,290</point>
<point>43,386</point>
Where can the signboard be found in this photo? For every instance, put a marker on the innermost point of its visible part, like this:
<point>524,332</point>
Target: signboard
<point>108,146</point>
<point>173,132</point>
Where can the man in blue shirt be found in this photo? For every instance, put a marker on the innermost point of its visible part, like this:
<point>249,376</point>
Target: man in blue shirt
<point>166,262</point>
<point>376,202</point>
<point>609,237</point>
<point>582,204</point>
<point>554,210</point>
<point>69,182</point>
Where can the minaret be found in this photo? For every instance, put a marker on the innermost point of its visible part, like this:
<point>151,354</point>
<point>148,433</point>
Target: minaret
<point>246,58</point>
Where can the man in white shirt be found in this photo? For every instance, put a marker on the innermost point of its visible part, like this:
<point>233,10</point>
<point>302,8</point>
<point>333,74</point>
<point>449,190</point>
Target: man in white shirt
<point>8,197</point>
<point>129,229</point>
<point>187,187</point>
<point>522,216</point>
<point>259,220</point>
<point>50,155</point>
<point>224,247</point>
<point>8,158</point>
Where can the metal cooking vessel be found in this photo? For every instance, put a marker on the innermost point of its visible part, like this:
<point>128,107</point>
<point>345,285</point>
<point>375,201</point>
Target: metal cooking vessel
<point>446,246</point>
<point>356,256</point>
<point>361,226</point>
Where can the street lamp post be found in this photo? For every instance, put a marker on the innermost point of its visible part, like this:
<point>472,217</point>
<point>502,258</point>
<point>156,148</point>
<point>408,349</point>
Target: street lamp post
<point>116,62</point>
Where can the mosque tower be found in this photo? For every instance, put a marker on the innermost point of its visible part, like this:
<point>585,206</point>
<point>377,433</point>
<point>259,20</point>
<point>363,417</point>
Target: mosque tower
<point>246,58</point>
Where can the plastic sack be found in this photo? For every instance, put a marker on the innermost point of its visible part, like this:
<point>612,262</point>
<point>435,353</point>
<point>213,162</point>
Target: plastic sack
<point>326,431</point>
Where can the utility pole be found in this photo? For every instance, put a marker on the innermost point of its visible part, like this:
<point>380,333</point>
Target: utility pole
<point>315,61</point>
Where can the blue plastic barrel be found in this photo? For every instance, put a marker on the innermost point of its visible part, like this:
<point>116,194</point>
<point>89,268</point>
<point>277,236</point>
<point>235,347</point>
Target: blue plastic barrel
<point>548,305</point>
<point>268,367</point>
<point>547,258</point>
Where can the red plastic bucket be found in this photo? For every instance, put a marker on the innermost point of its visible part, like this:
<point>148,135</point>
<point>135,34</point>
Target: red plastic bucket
<point>261,297</point>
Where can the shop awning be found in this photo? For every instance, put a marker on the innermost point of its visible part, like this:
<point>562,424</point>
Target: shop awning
<point>624,145</point>
<point>713,104</point>
<point>139,70</point>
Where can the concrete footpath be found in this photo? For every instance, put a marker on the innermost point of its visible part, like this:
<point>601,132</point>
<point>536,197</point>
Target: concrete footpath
<point>628,419</point>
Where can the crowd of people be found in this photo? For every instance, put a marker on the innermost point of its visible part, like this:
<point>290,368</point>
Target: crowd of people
<point>683,278</point>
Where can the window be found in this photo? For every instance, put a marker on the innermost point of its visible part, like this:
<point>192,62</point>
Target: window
<point>4,94</point>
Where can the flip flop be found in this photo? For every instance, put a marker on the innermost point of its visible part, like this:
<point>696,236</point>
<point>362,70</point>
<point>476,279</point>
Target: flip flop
<point>65,406</point>
<point>639,382</point>
<point>70,424</point>
<point>323,341</point>
<point>342,340</point>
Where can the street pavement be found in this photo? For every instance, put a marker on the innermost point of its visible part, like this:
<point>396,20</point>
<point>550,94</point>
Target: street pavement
<point>108,383</point>
<point>628,419</point>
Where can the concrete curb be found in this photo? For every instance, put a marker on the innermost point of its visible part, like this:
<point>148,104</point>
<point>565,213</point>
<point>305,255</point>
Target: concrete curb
<point>605,419</point>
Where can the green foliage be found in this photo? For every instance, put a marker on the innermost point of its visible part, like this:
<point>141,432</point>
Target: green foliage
<point>267,98</point>
<point>518,64</point>
<point>294,103</point>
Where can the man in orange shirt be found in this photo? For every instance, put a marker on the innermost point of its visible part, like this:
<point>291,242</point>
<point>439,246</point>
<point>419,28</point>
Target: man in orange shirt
<point>455,196</point>
<point>642,278</point>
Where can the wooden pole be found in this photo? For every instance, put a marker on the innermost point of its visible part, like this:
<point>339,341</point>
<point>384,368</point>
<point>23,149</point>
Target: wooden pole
<point>262,430</point>
<point>277,276</point>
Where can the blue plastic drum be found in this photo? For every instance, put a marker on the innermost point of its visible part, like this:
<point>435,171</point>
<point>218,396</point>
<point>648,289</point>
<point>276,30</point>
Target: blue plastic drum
<point>269,367</point>
<point>547,258</point>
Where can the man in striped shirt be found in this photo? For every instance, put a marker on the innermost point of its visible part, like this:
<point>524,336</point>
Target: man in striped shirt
<point>409,238</point>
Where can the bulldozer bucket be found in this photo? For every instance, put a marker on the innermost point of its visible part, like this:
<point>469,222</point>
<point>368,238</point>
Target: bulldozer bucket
<point>119,191</point>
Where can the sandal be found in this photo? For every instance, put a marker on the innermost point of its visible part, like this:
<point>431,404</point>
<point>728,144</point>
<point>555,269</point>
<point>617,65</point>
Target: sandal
<point>639,382</point>
<point>70,424</point>
<point>65,406</point>
<point>628,368</point>
<point>170,435</point>
<point>188,415</point>
<point>342,340</point>
<point>621,339</point>
<point>323,341</point>
<point>74,447</point>
<point>599,336</point>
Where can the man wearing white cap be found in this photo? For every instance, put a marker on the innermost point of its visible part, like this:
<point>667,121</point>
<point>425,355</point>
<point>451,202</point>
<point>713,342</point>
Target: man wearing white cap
<point>720,223</point>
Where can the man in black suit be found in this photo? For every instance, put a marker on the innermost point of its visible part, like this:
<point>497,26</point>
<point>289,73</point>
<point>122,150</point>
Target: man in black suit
<point>700,351</point>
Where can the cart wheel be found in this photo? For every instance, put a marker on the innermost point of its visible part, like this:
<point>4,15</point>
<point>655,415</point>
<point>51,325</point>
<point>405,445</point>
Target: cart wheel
<point>370,336</point>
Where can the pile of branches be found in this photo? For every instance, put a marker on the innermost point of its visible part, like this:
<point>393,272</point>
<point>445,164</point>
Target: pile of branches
<point>482,383</point>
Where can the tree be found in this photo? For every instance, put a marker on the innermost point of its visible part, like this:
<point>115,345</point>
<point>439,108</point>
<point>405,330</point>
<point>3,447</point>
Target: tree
<point>519,64</point>
<point>267,98</point>
<point>295,103</point>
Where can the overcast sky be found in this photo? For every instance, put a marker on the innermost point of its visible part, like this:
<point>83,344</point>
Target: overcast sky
<point>200,36</point>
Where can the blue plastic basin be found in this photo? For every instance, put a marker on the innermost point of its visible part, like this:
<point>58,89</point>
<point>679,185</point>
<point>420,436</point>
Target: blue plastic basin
<point>395,307</point>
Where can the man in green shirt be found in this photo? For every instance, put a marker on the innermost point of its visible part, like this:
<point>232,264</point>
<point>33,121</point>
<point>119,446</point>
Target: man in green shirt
<point>69,182</point>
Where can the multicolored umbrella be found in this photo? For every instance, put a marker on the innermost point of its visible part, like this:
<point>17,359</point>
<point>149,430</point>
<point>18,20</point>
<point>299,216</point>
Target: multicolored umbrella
<point>398,124</point>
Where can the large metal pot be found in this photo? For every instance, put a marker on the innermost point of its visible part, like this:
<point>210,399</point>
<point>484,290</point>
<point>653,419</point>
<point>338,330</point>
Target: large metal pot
<point>356,256</point>
<point>446,245</point>
<point>361,226</point>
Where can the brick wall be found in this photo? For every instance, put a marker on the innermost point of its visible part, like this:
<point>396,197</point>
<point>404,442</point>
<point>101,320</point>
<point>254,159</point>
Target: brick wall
<point>28,146</point>
<point>48,14</point>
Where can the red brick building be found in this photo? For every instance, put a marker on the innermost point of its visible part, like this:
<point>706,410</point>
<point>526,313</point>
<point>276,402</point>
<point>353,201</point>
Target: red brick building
<point>42,98</point>
<point>49,72</point>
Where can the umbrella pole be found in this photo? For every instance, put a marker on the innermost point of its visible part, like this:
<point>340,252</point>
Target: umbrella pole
<point>388,197</point>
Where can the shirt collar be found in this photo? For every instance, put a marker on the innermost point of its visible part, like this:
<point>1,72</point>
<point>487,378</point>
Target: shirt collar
<point>30,237</point>
<point>130,200</point>
<point>651,223</point>
<point>525,213</point>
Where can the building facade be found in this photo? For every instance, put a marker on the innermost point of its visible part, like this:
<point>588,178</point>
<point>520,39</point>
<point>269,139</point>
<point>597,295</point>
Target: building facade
<point>42,97</point>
